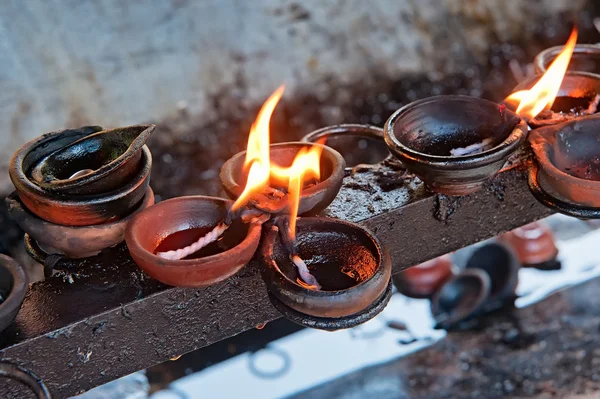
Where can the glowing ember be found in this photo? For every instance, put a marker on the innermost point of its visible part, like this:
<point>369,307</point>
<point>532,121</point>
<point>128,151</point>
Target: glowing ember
<point>542,95</point>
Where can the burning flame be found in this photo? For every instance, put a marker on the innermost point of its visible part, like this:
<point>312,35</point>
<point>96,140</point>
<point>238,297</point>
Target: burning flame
<point>257,151</point>
<point>542,95</point>
<point>262,173</point>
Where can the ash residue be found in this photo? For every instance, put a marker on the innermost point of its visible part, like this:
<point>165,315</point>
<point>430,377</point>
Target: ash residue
<point>445,206</point>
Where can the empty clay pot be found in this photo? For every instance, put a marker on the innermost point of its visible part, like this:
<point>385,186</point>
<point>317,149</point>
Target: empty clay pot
<point>178,222</point>
<point>454,143</point>
<point>533,244</point>
<point>84,210</point>
<point>349,263</point>
<point>358,144</point>
<point>569,161</point>
<point>423,280</point>
<point>74,241</point>
<point>13,287</point>
<point>312,200</point>
<point>500,263</point>
<point>586,58</point>
<point>94,164</point>
<point>460,298</point>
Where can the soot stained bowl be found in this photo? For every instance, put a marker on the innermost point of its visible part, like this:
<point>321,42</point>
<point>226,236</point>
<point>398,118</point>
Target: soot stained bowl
<point>500,263</point>
<point>85,210</point>
<point>178,222</point>
<point>460,298</point>
<point>349,263</point>
<point>313,199</point>
<point>94,164</point>
<point>358,144</point>
<point>568,158</point>
<point>586,58</point>
<point>13,287</point>
<point>74,241</point>
<point>454,143</point>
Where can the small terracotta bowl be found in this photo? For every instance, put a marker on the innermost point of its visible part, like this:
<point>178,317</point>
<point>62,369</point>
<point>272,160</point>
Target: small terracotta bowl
<point>85,210</point>
<point>460,298</point>
<point>178,222</point>
<point>110,157</point>
<point>74,241</point>
<point>423,280</point>
<point>586,58</point>
<point>358,144</point>
<point>425,134</point>
<point>533,244</point>
<point>13,287</point>
<point>313,199</point>
<point>569,160</point>
<point>349,263</point>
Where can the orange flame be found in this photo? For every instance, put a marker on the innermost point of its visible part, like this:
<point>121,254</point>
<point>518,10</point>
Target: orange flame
<point>542,95</point>
<point>306,166</point>
<point>262,173</point>
<point>257,152</point>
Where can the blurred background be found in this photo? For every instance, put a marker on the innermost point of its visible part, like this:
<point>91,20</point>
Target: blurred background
<point>201,69</point>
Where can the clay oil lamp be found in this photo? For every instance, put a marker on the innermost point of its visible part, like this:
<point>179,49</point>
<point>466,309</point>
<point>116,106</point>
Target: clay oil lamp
<point>360,145</point>
<point>586,58</point>
<point>460,298</point>
<point>183,242</point>
<point>83,176</point>
<point>501,265</point>
<point>534,246</point>
<point>454,143</point>
<point>72,241</point>
<point>565,172</point>
<point>325,273</point>
<point>13,287</point>
<point>557,96</point>
<point>423,280</point>
<point>25,377</point>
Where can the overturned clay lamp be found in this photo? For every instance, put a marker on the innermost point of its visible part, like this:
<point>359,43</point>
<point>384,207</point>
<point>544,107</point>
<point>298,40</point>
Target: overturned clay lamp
<point>578,96</point>
<point>347,268</point>
<point>423,280</point>
<point>500,263</point>
<point>13,287</point>
<point>179,223</point>
<point>460,298</point>
<point>454,143</point>
<point>314,197</point>
<point>73,241</point>
<point>534,246</point>
<point>124,179</point>
<point>586,58</point>
<point>360,145</point>
<point>565,172</point>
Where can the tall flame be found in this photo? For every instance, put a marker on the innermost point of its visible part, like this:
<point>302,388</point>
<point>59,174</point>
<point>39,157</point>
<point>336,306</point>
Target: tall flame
<point>306,166</point>
<point>257,153</point>
<point>542,95</point>
<point>262,173</point>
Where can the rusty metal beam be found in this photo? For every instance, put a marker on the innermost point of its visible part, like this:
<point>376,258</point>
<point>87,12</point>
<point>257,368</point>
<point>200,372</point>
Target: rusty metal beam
<point>107,319</point>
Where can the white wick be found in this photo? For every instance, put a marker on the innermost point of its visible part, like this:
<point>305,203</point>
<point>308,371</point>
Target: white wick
<point>211,236</point>
<point>471,149</point>
<point>305,274</point>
